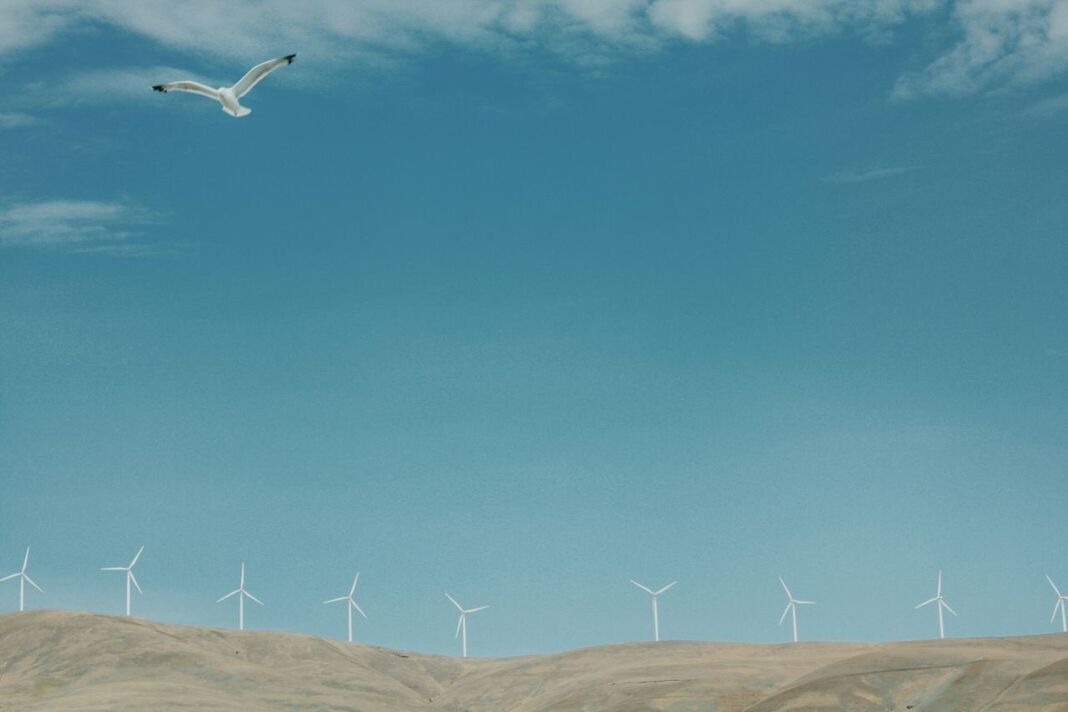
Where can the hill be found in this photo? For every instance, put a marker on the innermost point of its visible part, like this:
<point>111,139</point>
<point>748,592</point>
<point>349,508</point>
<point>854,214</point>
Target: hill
<point>77,662</point>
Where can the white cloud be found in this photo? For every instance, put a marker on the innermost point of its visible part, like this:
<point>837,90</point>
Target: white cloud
<point>1002,43</point>
<point>28,23</point>
<point>995,43</point>
<point>74,225</point>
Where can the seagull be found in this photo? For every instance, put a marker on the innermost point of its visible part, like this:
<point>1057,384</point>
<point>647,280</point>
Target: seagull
<point>229,96</point>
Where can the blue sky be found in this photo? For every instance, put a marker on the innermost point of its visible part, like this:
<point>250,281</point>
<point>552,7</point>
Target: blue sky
<point>524,300</point>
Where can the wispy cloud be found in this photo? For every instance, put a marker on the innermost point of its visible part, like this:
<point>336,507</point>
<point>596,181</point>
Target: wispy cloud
<point>15,120</point>
<point>126,83</point>
<point>101,86</point>
<point>348,27</point>
<point>870,174</point>
<point>361,31</point>
<point>995,43</point>
<point>76,226</point>
<point>781,20</point>
<point>1048,107</point>
<point>126,249</point>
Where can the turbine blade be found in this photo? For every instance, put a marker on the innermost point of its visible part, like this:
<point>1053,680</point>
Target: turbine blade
<point>665,588</point>
<point>939,583</point>
<point>784,588</point>
<point>113,568</point>
<point>458,624</point>
<point>353,589</point>
<point>806,603</point>
<point>30,581</point>
<point>458,606</point>
<point>134,579</point>
<point>136,557</point>
<point>472,610</point>
<point>785,611</point>
<point>1058,604</point>
<point>253,597</point>
<point>647,590</point>
<point>26,559</point>
<point>11,576</point>
<point>228,595</point>
<point>357,607</point>
<point>948,608</point>
<point>1054,585</point>
<point>929,600</point>
<point>335,600</point>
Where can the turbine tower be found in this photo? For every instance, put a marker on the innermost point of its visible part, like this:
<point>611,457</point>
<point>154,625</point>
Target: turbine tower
<point>23,578</point>
<point>130,578</point>
<point>656,614</point>
<point>241,599</point>
<point>461,625</point>
<point>351,603</point>
<point>941,604</point>
<point>1059,604</point>
<point>791,607</point>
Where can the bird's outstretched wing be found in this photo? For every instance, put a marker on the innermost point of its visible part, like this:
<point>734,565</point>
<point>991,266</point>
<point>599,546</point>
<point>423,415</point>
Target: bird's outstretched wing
<point>258,72</point>
<point>190,86</point>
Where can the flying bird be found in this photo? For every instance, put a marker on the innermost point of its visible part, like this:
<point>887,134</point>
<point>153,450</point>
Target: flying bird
<point>230,97</point>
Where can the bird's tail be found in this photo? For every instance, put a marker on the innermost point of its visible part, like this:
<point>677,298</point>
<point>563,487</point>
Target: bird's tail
<point>241,111</point>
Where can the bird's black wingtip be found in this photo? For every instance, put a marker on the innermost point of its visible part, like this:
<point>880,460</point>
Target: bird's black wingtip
<point>289,57</point>
<point>158,87</point>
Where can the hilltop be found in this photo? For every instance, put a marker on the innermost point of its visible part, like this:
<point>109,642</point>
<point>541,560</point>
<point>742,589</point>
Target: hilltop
<point>62,660</point>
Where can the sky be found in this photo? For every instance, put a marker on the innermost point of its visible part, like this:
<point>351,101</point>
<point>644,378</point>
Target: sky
<point>523,300</point>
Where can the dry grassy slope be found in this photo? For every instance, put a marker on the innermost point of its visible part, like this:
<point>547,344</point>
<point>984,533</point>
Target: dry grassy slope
<point>53,660</point>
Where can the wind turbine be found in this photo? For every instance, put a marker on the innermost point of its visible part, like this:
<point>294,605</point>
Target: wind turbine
<point>241,599</point>
<point>1061,598</point>
<point>791,607</point>
<point>351,603</point>
<point>130,578</point>
<point>941,604</point>
<point>655,595</point>
<point>461,625</point>
<point>23,578</point>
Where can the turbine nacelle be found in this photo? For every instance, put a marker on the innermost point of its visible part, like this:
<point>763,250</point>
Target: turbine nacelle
<point>650,591</point>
